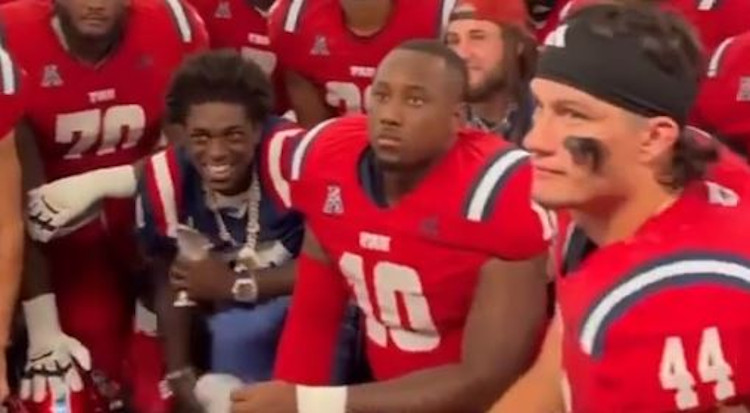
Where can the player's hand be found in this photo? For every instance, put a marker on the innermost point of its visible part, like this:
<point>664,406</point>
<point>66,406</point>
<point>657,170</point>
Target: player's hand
<point>269,397</point>
<point>4,390</point>
<point>205,279</point>
<point>54,205</point>
<point>54,358</point>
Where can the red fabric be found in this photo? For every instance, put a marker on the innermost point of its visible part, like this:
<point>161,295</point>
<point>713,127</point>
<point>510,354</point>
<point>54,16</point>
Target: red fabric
<point>506,12</point>
<point>308,343</point>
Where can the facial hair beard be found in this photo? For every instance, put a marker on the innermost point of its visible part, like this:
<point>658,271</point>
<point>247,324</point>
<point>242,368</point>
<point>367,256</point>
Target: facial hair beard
<point>492,84</point>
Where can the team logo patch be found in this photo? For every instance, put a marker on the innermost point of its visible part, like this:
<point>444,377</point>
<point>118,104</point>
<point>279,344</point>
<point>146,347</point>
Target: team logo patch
<point>743,92</point>
<point>51,76</point>
<point>320,47</point>
<point>334,204</point>
<point>223,11</point>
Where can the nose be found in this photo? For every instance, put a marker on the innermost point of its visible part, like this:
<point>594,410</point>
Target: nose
<point>217,150</point>
<point>390,113</point>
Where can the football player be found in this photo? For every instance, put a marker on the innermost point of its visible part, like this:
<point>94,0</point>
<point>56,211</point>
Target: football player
<point>96,82</point>
<point>723,105</point>
<point>12,100</point>
<point>500,52</point>
<point>225,185</point>
<point>404,211</point>
<point>330,48</point>
<point>243,26</point>
<point>651,269</point>
<point>218,185</point>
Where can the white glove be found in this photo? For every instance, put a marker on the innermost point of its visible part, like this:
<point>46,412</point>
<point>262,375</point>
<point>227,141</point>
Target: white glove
<point>213,391</point>
<point>52,355</point>
<point>54,205</point>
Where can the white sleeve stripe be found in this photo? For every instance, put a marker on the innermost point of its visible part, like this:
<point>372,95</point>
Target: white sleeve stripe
<point>498,171</point>
<point>596,321</point>
<point>717,57</point>
<point>181,18</point>
<point>445,13</point>
<point>165,187</point>
<point>301,150</point>
<point>8,73</point>
<point>704,5</point>
<point>293,15</point>
<point>275,149</point>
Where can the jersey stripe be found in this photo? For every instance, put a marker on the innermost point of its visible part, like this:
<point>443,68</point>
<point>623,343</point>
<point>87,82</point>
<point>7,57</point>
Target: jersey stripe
<point>300,153</point>
<point>718,57</point>
<point>181,20</point>
<point>659,276</point>
<point>274,164</point>
<point>484,191</point>
<point>446,9</point>
<point>704,5</point>
<point>8,73</point>
<point>166,193</point>
<point>293,14</point>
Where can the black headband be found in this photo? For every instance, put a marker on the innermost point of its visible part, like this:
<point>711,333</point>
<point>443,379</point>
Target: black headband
<point>614,69</point>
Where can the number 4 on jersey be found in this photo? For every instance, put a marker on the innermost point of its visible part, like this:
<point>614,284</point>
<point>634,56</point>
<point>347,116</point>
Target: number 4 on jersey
<point>712,368</point>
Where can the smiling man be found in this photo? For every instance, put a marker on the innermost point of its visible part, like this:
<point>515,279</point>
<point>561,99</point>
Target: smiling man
<point>404,210</point>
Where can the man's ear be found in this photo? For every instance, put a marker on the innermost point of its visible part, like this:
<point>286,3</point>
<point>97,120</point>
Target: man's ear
<point>658,137</point>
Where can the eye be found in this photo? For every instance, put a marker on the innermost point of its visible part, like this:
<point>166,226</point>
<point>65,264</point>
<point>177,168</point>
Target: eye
<point>573,114</point>
<point>199,138</point>
<point>415,101</point>
<point>379,96</point>
<point>236,135</point>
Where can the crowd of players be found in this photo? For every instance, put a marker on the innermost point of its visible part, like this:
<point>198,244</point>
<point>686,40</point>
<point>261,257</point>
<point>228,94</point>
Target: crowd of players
<point>374,205</point>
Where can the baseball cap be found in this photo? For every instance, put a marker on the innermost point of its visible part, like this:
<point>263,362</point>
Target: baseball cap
<point>503,12</point>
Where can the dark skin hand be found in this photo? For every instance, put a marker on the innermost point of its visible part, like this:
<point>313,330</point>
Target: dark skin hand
<point>210,279</point>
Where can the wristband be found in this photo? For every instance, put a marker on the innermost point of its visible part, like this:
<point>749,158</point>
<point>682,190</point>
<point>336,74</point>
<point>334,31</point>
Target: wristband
<point>321,399</point>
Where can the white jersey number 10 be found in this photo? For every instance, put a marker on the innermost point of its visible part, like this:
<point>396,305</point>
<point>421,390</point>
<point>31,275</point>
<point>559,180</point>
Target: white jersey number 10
<point>390,282</point>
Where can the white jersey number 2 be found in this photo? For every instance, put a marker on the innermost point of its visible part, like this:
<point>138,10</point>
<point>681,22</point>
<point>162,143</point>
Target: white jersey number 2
<point>120,127</point>
<point>391,282</point>
<point>712,367</point>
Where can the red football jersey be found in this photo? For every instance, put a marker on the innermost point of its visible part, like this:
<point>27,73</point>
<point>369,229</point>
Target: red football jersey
<point>656,322</point>
<point>723,105</point>
<point>86,117</point>
<point>715,20</point>
<point>12,98</point>
<point>413,267</point>
<point>558,13</point>
<point>311,38</point>
<point>236,24</point>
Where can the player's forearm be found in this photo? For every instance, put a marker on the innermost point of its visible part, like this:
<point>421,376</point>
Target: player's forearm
<point>277,281</point>
<point>451,388</point>
<point>174,327</point>
<point>11,261</point>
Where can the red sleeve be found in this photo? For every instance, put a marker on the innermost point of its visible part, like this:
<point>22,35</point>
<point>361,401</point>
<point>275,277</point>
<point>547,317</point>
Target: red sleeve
<point>12,100</point>
<point>199,41</point>
<point>503,219</point>
<point>277,151</point>
<point>300,172</point>
<point>723,104</point>
<point>308,343</point>
<point>283,31</point>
